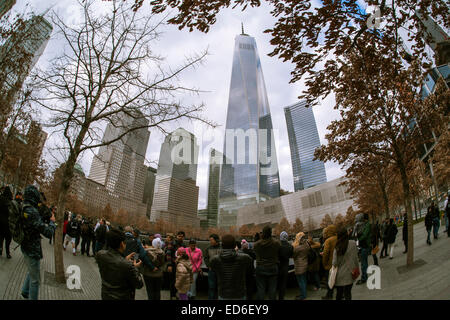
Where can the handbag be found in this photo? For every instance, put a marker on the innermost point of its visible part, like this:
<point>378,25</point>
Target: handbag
<point>375,250</point>
<point>332,277</point>
<point>355,273</point>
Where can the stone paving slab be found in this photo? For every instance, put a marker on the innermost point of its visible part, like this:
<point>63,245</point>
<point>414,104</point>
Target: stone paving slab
<point>428,281</point>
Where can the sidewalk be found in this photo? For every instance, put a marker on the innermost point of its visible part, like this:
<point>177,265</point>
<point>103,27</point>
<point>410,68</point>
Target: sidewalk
<point>431,280</point>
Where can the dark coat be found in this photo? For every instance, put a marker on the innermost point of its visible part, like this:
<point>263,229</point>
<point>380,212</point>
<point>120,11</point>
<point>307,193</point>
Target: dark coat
<point>428,221</point>
<point>210,253</point>
<point>4,214</point>
<point>286,252</point>
<point>405,229</point>
<point>120,278</point>
<point>232,269</point>
<point>391,233</point>
<point>267,251</point>
<point>33,225</point>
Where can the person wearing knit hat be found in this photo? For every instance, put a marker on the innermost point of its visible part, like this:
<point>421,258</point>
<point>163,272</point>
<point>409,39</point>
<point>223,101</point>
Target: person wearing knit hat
<point>157,243</point>
<point>300,255</point>
<point>286,252</point>
<point>284,236</point>
<point>244,244</point>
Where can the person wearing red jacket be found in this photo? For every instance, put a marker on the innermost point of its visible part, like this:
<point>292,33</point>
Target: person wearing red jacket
<point>196,258</point>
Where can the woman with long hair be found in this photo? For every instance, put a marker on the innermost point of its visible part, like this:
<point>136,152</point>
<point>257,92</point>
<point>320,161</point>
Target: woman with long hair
<point>301,249</point>
<point>345,258</point>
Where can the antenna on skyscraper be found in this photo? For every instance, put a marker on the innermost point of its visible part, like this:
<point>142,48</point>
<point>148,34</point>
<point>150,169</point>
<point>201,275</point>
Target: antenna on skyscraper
<point>242,24</point>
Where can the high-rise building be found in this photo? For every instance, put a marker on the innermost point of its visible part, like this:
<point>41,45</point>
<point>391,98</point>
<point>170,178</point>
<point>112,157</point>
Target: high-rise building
<point>252,176</point>
<point>303,141</point>
<point>21,52</point>
<point>175,197</point>
<point>119,166</point>
<point>149,189</point>
<point>179,155</point>
<point>5,6</point>
<point>215,160</point>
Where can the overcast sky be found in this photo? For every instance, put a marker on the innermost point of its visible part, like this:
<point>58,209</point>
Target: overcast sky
<point>214,78</point>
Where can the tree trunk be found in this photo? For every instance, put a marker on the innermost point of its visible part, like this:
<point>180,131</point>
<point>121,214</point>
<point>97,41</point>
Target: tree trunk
<point>64,189</point>
<point>407,195</point>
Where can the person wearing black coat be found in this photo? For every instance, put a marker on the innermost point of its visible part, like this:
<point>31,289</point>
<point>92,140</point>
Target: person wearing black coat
<point>375,241</point>
<point>285,253</point>
<point>87,235</point>
<point>405,232</point>
<point>232,269</point>
<point>5,233</point>
<point>120,276</point>
<point>391,234</point>
<point>429,225</point>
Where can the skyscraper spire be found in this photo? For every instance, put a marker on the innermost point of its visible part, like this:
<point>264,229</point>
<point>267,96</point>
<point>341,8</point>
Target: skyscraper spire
<point>242,24</point>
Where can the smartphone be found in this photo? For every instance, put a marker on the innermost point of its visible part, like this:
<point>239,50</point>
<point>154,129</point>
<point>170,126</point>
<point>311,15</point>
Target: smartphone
<point>136,257</point>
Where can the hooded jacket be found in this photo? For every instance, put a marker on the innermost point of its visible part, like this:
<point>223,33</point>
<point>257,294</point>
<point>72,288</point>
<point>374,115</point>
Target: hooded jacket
<point>196,258</point>
<point>232,269</point>
<point>33,225</point>
<point>120,278</point>
<point>301,257</point>
<point>330,236</point>
<point>267,251</point>
<point>184,277</point>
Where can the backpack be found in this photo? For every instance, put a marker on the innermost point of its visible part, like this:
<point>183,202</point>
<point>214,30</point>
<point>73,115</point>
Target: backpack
<point>131,246</point>
<point>85,228</point>
<point>157,259</point>
<point>16,221</point>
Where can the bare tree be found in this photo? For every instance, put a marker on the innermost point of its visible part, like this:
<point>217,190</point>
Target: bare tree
<point>108,72</point>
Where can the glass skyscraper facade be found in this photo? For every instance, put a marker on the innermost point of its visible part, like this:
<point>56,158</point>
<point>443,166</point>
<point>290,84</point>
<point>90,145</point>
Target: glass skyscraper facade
<point>249,173</point>
<point>303,141</point>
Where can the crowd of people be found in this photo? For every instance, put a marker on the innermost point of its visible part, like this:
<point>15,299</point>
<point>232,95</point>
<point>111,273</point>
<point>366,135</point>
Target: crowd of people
<point>236,270</point>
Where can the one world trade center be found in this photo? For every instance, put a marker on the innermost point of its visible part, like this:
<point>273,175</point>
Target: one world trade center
<point>249,171</point>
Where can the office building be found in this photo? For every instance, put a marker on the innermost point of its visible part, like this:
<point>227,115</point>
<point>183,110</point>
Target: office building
<point>175,197</point>
<point>303,141</point>
<point>310,206</point>
<point>5,6</point>
<point>119,166</point>
<point>250,174</point>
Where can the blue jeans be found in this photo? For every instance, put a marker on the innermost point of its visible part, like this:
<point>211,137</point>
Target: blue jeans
<point>212,285</point>
<point>364,263</point>
<point>436,225</point>
<point>30,287</point>
<point>302,281</point>
<point>429,234</point>
<point>193,290</point>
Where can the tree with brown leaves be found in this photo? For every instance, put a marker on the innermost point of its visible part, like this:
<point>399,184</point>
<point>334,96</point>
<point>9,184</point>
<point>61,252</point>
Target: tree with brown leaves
<point>297,226</point>
<point>326,221</point>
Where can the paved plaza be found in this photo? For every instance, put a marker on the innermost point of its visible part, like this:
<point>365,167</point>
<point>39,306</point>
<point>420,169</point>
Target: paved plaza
<point>430,279</point>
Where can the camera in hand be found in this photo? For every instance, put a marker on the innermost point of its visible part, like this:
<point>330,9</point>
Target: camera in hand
<point>45,213</point>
